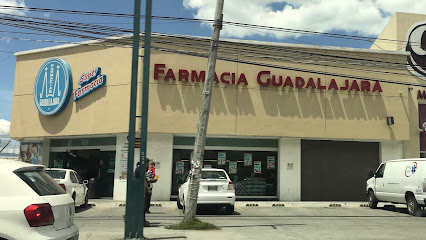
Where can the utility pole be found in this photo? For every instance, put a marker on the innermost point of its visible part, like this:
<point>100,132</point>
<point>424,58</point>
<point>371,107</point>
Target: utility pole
<point>133,220</point>
<point>200,139</point>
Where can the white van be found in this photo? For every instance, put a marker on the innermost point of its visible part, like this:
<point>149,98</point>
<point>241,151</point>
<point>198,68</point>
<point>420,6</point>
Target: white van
<point>399,181</point>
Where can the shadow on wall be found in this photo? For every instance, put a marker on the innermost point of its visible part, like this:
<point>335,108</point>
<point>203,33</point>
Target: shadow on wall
<point>224,99</point>
<point>55,124</point>
<point>311,104</point>
<point>233,100</point>
<point>91,98</point>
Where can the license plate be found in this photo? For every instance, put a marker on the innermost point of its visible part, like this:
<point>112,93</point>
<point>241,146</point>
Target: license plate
<point>212,188</point>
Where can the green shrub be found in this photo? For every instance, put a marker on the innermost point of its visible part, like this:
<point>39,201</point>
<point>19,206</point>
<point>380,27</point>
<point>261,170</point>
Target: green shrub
<point>194,224</point>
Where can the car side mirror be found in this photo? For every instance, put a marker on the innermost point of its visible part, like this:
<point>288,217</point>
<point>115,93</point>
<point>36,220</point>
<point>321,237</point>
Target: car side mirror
<point>85,182</point>
<point>180,181</point>
<point>371,174</point>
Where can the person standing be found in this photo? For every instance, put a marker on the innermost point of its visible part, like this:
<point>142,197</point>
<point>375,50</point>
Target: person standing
<point>150,176</point>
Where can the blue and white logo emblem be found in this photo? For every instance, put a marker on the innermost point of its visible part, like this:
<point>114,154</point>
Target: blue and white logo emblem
<point>53,86</point>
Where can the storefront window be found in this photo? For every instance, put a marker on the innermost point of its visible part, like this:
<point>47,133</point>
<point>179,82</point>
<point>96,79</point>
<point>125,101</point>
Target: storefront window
<point>254,177</point>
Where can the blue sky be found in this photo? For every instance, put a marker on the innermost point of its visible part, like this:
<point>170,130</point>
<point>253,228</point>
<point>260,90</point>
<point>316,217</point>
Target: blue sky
<point>357,17</point>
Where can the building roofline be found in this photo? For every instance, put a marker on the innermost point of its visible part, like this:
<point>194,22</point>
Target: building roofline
<point>251,42</point>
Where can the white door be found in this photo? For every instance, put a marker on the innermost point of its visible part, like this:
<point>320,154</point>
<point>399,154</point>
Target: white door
<point>380,183</point>
<point>77,188</point>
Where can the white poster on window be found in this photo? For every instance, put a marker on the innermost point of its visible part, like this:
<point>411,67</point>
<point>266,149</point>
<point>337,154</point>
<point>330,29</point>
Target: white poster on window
<point>257,167</point>
<point>180,167</point>
<point>31,152</point>
<point>232,167</point>
<point>270,164</point>
<point>248,157</point>
<point>221,158</point>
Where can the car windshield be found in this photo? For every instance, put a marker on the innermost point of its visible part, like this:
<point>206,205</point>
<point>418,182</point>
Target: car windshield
<point>41,183</point>
<point>213,175</point>
<point>56,174</point>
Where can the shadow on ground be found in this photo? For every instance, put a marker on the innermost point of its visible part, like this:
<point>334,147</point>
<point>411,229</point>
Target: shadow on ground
<point>82,209</point>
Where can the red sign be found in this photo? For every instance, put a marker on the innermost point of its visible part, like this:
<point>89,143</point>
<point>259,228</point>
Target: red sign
<point>264,79</point>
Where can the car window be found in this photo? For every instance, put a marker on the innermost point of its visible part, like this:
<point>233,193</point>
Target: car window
<point>73,178</point>
<point>41,183</point>
<point>381,171</point>
<point>56,174</point>
<point>78,178</point>
<point>213,175</point>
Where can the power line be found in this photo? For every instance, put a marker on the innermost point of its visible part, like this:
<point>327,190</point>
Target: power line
<point>245,25</point>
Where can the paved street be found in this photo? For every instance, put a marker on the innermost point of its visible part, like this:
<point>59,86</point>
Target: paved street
<point>105,221</point>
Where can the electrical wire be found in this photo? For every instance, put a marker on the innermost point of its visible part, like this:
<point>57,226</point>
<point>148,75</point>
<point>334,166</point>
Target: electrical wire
<point>244,25</point>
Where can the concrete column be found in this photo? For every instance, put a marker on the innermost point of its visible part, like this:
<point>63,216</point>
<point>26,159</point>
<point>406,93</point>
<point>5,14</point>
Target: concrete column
<point>390,150</point>
<point>289,171</point>
<point>46,152</point>
<point>160,149</point>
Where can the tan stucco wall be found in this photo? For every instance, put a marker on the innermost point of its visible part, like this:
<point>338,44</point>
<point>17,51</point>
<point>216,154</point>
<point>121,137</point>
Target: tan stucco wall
<point>397,30</point>
<point>251,110</point>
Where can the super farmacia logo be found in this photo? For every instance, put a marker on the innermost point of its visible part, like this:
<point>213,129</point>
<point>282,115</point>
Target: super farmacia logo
<point>52,87</point>
<point>416,46</point>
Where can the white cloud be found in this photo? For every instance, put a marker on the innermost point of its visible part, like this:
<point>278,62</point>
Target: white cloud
<point>364,17</point>
<point>16,3</point>
<point>4,127</point>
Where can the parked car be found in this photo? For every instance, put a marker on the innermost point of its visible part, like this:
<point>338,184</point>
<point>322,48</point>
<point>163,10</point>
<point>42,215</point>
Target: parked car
<point>72,183</point>
<point>399,181</point>
<point>216,189</point>
<point>32,205</point>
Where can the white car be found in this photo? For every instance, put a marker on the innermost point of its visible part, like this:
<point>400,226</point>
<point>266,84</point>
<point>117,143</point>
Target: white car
<point>32,205</point>
<point>72,183</point>
<point>216,189</point>
<point>399,181</point>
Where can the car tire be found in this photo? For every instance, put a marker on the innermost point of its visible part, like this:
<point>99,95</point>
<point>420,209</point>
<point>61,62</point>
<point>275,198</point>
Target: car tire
<point>412,206</point>
<point>73,197</point>
<point>86,200</point>
<point>372,200</point>
<point>178,204</point>
<point>229,209</point>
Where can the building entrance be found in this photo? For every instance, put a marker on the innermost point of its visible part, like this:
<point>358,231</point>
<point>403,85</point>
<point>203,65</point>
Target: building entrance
<point>93,164</point>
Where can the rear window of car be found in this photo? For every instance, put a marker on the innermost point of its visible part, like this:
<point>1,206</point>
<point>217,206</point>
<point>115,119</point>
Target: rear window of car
<point>213,175</point>
<point>56,174</point>
<point>41,183</point>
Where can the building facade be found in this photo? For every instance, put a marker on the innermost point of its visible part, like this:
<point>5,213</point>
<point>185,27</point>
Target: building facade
<point>287,122</point>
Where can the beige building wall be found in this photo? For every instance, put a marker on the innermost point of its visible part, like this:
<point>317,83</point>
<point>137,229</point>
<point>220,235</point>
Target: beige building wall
<point>394,35</point>
<point>236,110</point>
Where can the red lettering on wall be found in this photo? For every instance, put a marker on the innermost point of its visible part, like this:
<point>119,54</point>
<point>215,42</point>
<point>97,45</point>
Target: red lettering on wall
<point>377,87</point>
<point>421,94</point>
<point>311,83</point>
<point>198,78</point>
<point>354,86</point>
<point>222,77</point>
<point>170,75</point>
<point>259,78</point>
<point>216,79</point>
<point>365,86</point>
<point>319,84</point>
<point>333,84</point>
<point>288,82</point>
<point>346,87</point>
<point>242,79</point>
<point>183,75</point>
<point>274,81</point>
<point>158,68</point>
<point>233,78</point>
<point>300,82</point>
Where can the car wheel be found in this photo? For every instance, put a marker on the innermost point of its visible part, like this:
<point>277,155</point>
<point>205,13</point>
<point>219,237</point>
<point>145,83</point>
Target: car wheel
<point>183,205</point>
<point>230,209</point>
<point>178,203</point>
<point>372,200</point>
<point>73,198</point>
<point>86,200</point>
<point>412,206</point>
